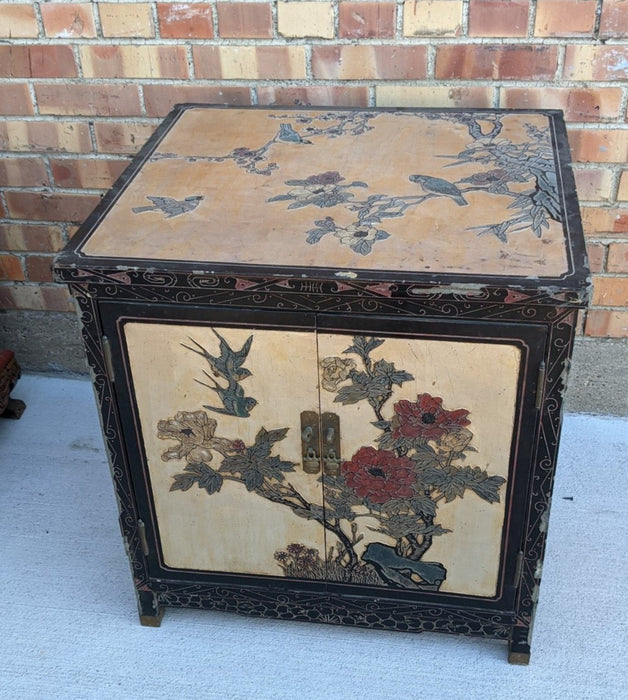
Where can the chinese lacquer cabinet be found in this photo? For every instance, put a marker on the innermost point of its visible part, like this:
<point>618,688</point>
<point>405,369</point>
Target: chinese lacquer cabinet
<point>330,348</point>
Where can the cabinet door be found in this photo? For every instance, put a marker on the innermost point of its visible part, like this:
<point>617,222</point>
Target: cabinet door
<point>430,492</point>
<point>213,418</point>
<point>424,475</point>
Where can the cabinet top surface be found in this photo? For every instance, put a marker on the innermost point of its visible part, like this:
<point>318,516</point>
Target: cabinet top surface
<point>441,194</point>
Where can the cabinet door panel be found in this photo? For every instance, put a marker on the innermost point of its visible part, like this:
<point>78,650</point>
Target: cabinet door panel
<point>429,430</point>
<point>218,412</point>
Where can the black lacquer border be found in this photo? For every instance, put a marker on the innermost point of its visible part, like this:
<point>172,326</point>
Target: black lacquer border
<point>560,323</point>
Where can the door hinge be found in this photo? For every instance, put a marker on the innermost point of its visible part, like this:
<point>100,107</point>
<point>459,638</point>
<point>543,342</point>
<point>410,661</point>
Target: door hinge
<point>540,385</point>
<point>108,359</point>
<point>518,569</point>
<point>141,530</point>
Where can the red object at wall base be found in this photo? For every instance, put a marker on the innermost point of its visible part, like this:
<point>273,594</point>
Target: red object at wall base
<point>10,372</point>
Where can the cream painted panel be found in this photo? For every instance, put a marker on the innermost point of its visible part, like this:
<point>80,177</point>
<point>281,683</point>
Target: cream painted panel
<point>231,530</point>
<point>480,377</point>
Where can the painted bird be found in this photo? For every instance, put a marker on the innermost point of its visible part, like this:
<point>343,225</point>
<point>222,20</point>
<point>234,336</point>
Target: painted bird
<point>288,134</point>
<point>228,365</point>
<point>232,397</point>
<point>437,185</point>
<point>169,206</point>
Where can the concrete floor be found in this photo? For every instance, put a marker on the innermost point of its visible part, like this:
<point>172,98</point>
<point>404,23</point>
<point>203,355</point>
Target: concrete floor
<point>69,624</point>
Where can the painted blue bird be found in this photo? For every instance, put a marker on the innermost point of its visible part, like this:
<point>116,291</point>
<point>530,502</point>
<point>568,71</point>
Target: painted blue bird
<point>289,135</point>
<point>228,365</point>
<point>169,206</point>
<point>436,185</point>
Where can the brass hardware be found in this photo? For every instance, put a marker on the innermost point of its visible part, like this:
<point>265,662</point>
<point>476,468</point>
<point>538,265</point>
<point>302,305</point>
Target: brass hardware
<point>141,531</point>
<point>313,429</point>
<point>330,427</point>
<point>106,347</point>
<point>519,569</point>
<point>310,442</point>
<point>311,463</point>
<point>332,464</point>
<point>540,381</point>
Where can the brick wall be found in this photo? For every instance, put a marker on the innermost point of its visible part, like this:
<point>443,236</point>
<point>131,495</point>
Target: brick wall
<point>83,84</point>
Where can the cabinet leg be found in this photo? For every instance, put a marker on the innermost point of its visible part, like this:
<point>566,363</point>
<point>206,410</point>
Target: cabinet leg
<point>14,409</point>
<point>150,610</point>
<point>518,647</point>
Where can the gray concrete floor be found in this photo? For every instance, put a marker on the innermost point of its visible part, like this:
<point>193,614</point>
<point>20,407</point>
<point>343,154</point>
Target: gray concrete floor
<point>69,624</point>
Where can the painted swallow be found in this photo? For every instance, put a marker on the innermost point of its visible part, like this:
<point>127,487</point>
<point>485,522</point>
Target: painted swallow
<point>229,363</point>
<point>232,398</point>
<point>169,206</point>
<point>288,134</point>
<point>437,185</point>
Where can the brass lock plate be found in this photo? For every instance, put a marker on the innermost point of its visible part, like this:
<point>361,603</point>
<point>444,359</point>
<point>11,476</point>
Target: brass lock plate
<point>310,442</point>
<point>330,443</point>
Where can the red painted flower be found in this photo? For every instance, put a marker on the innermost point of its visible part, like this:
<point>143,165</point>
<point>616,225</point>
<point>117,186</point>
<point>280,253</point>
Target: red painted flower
<point>426,418</point>
<point>379,475</point>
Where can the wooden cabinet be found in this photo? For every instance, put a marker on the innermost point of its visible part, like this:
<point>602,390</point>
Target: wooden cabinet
<point>330,348</point>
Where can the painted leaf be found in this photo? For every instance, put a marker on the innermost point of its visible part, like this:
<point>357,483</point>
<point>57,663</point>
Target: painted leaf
<point>253,479</point>
<point>488,488</point>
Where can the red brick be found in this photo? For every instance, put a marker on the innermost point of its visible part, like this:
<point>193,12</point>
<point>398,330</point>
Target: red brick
<point>42,206</point>
<point>587,62</point>
<point>3,211</point>
<point>305,19</point>
<point>614,19</point>
<point>610,291</point>
<point>23,172</point>
<point>18,22</point>
<point>599,145</point>
<point>245,20</point>
<point>604,323</point>
<point>389,95</point>
<point>565,17</point>
<point>596,253</point>
<point>131,61</point>
<point>21,135</point>
<point>37,62</point>
<point>126,19</point>
<point>369,62</point>
<point>68,19</point>
<point>231,62</point>
<point>39,268</point>
<point>86,173</point>
<point>35,237</point>
<point>593,183</point>
<point>122,137</point>
<point>366,20</point>
<point>11,268</point>
<point>36,296</point>
<point>604,220</point>
<point>498,18</point>
<point>442,18</point>
<point>16,99</point>
<point>160,99</point>
<point>579,105</point>
<point>332,95</point>
<point>185,20</point>
<point>617,257</point>
<point>622,191</point>
<point>503,62</point>
<point>88,99</point>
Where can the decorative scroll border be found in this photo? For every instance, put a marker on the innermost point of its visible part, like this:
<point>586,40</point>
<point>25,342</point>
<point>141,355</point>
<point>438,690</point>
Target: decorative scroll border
<point>504,305</point>
<point>343,610</point>
<point>186,287</point>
